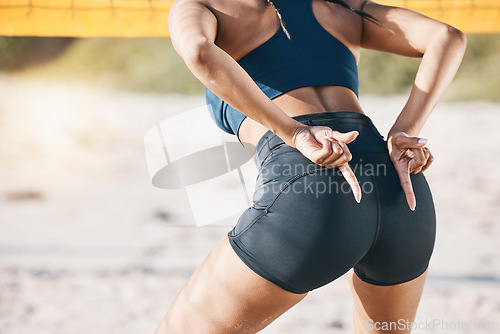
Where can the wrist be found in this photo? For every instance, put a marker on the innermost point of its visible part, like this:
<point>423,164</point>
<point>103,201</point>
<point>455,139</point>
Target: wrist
<point>290,131</point>
<point>300,129</point>
<point>392,132</point>
<point>407,132</point>
<point>406,123</point>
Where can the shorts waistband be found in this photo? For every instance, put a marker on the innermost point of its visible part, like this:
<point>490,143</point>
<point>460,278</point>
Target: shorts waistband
<point>349,116</point>
<point>370,138</point>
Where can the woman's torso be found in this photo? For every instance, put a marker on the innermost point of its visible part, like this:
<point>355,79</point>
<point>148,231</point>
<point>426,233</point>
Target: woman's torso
<point>243,25</point>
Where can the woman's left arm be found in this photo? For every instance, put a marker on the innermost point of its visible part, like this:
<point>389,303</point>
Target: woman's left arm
<point>407,33</point>
<point>441,47</point>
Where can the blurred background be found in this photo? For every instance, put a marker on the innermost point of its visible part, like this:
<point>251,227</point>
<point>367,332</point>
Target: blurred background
<point>151,65</point>
<point>88,245</point>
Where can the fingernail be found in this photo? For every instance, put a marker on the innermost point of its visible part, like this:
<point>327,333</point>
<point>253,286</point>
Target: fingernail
<point>423,140</point>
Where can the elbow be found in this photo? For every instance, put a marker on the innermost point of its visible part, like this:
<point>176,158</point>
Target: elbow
<point>197,53</point>
<point>446,39</point>
<point>455,38</point>
<point>458,36</point>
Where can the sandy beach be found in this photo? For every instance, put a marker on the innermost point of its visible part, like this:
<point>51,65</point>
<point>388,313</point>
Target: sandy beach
<point>89,245</point>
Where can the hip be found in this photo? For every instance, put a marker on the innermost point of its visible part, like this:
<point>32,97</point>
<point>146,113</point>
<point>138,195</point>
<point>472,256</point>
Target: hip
<point>282,168</point>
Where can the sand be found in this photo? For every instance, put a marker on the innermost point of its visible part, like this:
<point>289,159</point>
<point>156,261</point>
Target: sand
<point>88,245</point>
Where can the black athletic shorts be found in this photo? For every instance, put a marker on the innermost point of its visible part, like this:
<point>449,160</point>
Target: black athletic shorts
<point>305,229</point>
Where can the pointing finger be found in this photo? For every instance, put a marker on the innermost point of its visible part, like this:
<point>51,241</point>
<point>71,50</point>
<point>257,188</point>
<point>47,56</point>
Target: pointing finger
<point>404,178</point>
<point>352,180</point>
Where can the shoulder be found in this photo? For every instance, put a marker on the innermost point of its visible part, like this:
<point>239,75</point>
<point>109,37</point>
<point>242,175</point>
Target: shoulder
<point>190,25</point>
<point>189,13</point>
<point>188,7</point>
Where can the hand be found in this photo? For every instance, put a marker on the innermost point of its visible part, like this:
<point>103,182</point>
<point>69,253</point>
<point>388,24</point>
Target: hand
<point>409,155</point>
<point>326,147</point>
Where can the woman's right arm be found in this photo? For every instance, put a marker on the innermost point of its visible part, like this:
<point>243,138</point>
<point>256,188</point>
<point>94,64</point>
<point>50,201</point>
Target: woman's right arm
<point>193,28</point>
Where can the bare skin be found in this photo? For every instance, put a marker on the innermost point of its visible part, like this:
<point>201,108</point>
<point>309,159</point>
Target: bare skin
<point>399,305</point>
<point>224,295</point>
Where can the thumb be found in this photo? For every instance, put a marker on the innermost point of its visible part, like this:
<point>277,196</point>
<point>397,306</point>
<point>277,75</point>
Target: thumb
<point>345,137</point>
<point>411,142</point>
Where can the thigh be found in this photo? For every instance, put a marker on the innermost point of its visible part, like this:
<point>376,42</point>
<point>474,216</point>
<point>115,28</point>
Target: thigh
<point>387,283</point>
<point>224,296</point>
<point>385,309</point>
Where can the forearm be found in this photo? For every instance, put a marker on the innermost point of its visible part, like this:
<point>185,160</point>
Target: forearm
<point>220,73</point>
<point>439,65</point>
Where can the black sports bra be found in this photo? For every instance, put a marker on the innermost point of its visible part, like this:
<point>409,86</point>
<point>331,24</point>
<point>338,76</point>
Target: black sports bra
<point>311,57</point>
